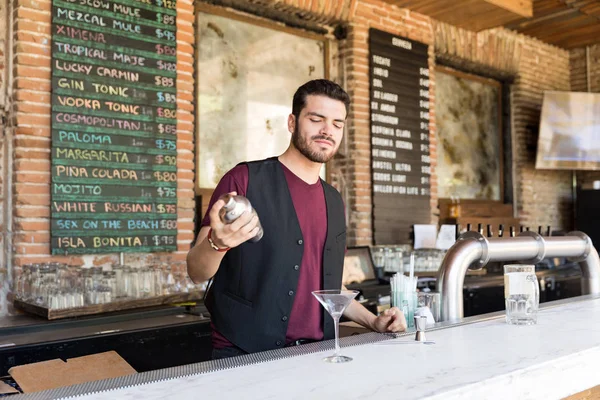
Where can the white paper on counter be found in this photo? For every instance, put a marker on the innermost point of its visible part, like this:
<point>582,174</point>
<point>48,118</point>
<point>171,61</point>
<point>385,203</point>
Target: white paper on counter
<point>425,236</point>
<point>447,237</point>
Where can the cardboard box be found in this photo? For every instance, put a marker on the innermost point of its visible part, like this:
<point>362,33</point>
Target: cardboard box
<point>57,373</point>
<point>7,389</point>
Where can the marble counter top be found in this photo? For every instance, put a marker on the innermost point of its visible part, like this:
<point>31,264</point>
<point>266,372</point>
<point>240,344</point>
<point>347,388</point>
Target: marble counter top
<point>557,357</point>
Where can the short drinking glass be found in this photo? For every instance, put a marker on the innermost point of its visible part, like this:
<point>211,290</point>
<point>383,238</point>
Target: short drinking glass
<point>521,294</point>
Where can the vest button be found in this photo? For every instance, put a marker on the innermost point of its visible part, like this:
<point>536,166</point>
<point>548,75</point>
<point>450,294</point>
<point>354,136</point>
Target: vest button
<point>300,241</point>
<point>291,293</point>
<point>278,343</point>
<point>284,318</point>
<point>296,267</point>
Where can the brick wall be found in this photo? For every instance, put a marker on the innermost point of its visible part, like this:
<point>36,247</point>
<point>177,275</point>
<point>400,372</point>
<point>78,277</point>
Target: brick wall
<point>30,113</point>
<point>3,34</point>
<point>4,286</point>
<point>579,83</point>
<point>544,197</point>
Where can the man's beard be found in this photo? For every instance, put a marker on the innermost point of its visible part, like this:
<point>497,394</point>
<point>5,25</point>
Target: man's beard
<point>303,147</point>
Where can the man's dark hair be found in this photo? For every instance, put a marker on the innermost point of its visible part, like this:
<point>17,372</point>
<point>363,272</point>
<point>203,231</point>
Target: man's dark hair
<point>319,87</point>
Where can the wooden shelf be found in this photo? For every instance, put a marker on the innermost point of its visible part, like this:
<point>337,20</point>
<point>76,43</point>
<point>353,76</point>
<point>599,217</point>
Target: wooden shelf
<point>52,314</point>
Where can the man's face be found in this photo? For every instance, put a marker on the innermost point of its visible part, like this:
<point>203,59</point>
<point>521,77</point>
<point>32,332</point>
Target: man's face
<point>318,131</point>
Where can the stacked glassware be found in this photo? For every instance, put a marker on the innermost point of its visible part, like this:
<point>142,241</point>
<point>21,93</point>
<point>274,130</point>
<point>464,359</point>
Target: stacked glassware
<point>389,259</point>
<point>428,260</point>
<point>60,286</point>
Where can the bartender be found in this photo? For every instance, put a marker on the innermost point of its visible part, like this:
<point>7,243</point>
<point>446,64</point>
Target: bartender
<point>260,298</point>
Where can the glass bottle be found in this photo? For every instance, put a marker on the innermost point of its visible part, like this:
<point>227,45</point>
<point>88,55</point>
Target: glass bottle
<point>34,283</point>
<point>96,276</point>
<point>119,291</point>
<point>168,282</point>
<point>21,284</point>
<point>88,286</point>
<point>126,282</point>
<point>145,279</point>
<point>390,263</point>
<point>133,288</point>
<point>156,272</point>
<point>64,278</point>
<point>109,283</point>
<point>47,282</point>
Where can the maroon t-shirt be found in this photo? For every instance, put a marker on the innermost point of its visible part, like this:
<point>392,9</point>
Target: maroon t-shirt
<point>309,201</point>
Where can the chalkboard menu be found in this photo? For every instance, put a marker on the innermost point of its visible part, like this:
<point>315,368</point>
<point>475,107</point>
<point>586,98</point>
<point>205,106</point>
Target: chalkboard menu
<point>114,149</point>
<point>400,164</point>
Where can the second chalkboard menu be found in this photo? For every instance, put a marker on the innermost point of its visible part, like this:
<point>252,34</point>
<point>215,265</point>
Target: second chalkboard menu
<point>400,160</point>
<point>114,133</point>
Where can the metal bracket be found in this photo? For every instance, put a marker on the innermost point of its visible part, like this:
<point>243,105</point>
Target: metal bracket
<point>588,246</point>
<point>541,247</point>
<point>485,257</point>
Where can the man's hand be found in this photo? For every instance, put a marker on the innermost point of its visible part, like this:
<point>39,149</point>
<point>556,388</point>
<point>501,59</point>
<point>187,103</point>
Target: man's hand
<point>391,320</point>
<point>202,260</point>
<point>234,234</point>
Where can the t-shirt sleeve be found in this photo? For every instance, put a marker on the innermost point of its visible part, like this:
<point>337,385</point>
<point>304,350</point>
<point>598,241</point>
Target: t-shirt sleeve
<point>236,180</point>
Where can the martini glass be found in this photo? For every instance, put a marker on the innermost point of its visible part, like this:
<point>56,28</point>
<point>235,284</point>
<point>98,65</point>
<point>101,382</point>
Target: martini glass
<point>335,302</point>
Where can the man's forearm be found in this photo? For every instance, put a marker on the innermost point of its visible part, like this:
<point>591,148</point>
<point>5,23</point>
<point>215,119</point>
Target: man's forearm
<point>202,260</point>
<point>359,314</point>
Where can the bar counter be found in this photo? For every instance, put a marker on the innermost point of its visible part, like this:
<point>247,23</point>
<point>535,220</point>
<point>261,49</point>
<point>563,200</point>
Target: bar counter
<point>479,357</point>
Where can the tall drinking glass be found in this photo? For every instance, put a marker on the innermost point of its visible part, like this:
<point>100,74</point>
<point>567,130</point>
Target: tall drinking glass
<point>521,294</point>
<point>335,302</point>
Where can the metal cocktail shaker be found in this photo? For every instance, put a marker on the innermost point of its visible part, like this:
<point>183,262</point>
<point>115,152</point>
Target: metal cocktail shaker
<point>234,207</point>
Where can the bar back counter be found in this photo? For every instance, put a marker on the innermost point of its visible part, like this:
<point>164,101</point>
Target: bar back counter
<point>147,339</point>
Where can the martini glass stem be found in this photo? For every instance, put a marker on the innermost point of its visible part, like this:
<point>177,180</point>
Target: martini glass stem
<point>336,324</point>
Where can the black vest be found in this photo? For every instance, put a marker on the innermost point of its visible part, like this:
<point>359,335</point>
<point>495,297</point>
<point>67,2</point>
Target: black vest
<point>253,290</point>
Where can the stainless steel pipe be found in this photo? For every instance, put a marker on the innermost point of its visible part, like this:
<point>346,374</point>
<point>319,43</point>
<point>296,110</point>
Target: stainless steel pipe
<point>473,251</point>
